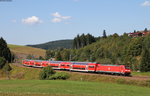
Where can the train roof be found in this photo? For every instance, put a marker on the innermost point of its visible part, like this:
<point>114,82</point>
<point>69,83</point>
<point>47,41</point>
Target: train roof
<point>108,65</point>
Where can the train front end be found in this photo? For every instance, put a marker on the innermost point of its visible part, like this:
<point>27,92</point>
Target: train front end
<point>127,71</point>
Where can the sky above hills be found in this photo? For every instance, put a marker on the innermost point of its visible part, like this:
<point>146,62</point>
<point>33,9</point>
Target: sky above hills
<point>25,22</point>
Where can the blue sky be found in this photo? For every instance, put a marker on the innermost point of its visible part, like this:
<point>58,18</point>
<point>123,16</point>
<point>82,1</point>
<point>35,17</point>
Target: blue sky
<point>37,21</point>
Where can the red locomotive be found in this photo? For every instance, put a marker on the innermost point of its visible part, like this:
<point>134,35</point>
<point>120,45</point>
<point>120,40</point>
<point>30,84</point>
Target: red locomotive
<point>80,66</point>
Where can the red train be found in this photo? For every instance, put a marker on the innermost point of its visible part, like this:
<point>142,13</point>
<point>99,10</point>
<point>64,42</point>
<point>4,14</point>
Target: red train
<point>80,66</point>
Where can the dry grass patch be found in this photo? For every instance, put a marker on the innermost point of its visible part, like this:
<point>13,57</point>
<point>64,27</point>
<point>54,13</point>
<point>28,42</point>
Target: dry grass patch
<point>26,50</point>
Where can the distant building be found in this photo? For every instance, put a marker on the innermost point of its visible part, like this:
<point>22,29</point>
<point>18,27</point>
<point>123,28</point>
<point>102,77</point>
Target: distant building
<point>138,34</point>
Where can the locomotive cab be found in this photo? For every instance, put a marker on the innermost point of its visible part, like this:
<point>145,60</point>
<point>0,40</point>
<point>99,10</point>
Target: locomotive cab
<point>127,71</point>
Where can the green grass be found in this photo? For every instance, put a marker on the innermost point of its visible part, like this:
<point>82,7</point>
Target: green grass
<point>145,74</point>
<point>24,73</point>
<point>68,88</point>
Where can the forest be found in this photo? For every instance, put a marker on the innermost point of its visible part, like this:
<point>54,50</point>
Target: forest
<point>113,49</point>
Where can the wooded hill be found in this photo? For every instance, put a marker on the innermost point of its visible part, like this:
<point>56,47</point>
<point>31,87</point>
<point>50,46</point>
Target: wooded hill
<point>55,44</point>
<point>114,49</point>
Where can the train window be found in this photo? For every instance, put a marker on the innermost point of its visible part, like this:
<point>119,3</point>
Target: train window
<point>91,66</point>
<point>79,68</point>
<point>54,66</point>
<point>68,65</point>
<point>126,67</point>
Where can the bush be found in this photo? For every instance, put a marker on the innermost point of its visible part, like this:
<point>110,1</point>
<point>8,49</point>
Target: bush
<point>2,62</point>
<point>46,73</point>
<point>59,76</point>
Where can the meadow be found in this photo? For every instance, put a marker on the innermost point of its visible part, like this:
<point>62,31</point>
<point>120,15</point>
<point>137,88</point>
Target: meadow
<point>17,49</point>
<point>68,88</point>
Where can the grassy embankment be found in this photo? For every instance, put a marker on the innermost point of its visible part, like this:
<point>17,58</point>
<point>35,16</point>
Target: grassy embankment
<point>23,73</point>
<point>142,74</point>
<point>68,88</point>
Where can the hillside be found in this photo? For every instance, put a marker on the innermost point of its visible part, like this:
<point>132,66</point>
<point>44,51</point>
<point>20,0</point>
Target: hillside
<point>54,44</point>
<point>23,51</point>
<point>114,49</point>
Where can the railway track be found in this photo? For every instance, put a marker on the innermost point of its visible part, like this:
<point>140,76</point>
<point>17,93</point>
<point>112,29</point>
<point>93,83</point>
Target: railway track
<point>107,75</point>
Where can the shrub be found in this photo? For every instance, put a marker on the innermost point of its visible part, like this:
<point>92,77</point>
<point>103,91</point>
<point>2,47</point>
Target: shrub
<point>59,75</point>
<point>7,68</point>
<point>2,62</point>
<point>46,73</point>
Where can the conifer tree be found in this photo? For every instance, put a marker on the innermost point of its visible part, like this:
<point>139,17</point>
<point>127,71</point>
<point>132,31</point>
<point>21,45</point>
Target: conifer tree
<point>134,31</point>
<point>83,40</point>
<point>78,42</point>
<point>145,30</point>
<point>145,61</point>
<point>5,51</point>
<point>75,43</point>
<point>104,34</point>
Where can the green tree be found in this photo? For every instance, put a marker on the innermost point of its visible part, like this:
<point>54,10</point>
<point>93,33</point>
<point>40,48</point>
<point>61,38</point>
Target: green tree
<point>145,61</point>
<point>75,43</point>
<point>2,62</point>
<point>58,56</point>
<point>90,39</point>
<point>104,34</point>
<point>78,42</point>
<point>83,40</point>
<point>50,54</point>
<point>65,54</point>
<point>145,30</point>
<point>134,31</point>
<point>41,58</point>
<point>5,51</point>
<point>115,35</point>
<point>46,73</point>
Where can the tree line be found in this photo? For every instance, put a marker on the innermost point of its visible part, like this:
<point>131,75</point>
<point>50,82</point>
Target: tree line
<point>83,40</point>
<point>6,57</point>
<point>112,49</point>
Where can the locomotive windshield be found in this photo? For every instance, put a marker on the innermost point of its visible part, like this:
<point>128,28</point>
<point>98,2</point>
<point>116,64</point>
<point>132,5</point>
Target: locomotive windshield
<point>127,67</point>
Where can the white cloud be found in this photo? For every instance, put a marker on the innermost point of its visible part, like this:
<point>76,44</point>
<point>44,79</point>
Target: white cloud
<point>66,17</point>
<point>59,18</point>
<point>146,3</point>
<point>56,14</point>
<point>32,20</point>
<point>56,20</point>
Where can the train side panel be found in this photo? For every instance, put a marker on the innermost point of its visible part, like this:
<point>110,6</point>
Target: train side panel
<point>65,65</point>
<point>83,66</point>
<point>44,63</point>
<point>79,66</point>
<point>26,62</point>
<point>55,64</point>
<point>92,67</point>
<point>114,69</point>
<point>38,63</point>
